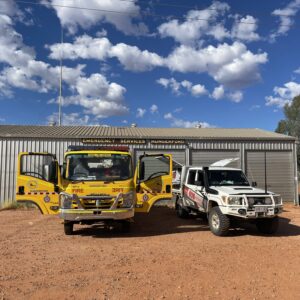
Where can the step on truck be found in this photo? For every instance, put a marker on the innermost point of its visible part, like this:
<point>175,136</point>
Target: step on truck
<point>224,195</point>
<point>94,184</point>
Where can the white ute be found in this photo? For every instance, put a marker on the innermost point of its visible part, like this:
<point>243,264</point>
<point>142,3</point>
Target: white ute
<point>224,194</point>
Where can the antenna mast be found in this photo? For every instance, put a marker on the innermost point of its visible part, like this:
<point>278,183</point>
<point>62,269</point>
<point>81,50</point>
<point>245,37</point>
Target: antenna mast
<point>60,82</point>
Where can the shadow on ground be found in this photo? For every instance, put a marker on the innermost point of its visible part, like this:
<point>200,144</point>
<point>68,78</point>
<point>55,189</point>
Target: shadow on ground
<point>163,221</point>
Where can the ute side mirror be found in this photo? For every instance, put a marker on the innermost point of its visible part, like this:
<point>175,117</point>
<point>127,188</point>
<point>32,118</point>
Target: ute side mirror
<point>254,184</point>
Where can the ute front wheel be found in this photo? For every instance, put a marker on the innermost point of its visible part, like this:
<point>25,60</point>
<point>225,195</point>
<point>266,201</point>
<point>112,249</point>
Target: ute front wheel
<point>267,226</point>
<point>218,222</point>
<point>68,228</point>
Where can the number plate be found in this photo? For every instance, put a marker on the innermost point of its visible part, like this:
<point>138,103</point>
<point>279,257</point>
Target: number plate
<point>261,209</point>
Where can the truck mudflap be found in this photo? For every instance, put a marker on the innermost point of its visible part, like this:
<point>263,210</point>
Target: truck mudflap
<point>253,213</point>
<point>90,214</point>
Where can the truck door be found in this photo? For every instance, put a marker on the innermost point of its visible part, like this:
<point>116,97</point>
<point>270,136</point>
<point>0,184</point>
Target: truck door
<point>38,178</point>
<point>153,180</point>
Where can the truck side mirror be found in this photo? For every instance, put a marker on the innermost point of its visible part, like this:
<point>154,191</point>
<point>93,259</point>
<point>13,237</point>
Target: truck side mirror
<point>254,184</point>
<point>63,170</point>
<point>49,172</point>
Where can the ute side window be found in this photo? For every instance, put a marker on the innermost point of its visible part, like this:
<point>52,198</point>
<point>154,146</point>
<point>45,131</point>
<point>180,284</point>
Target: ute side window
<point>192,177</point>
<point>39,166</point>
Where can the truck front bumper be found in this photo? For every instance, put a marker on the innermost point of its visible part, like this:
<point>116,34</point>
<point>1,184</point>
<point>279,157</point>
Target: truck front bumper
<point>78,215</point>
<point>253,213</point>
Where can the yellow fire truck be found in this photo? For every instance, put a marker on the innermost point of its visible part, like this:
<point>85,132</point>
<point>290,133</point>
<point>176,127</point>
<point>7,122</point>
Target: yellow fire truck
<point>94,184</point>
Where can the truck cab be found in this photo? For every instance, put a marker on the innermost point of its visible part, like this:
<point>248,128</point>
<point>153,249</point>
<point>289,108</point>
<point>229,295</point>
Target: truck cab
<point>225,194</point>
<point>94,184</point>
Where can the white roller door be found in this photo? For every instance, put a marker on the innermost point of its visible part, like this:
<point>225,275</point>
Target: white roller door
<point>280,171</point>
<point>206,158</point>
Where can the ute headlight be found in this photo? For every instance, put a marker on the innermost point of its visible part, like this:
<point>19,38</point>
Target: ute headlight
<point>65,200</point>
<point>277,199</point>
<point>128,200</point>
<point>234,200</point>
<point>268,201</point>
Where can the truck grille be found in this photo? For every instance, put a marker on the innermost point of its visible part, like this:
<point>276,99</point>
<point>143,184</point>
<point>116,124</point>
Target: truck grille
<point>98,203</point>
<point>259,201</point>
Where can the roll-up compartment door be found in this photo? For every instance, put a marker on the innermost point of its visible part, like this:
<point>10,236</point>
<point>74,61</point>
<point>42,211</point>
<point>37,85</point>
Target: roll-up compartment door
<point>177,155</point>
<point>280,171</point>
<point>206,158</point>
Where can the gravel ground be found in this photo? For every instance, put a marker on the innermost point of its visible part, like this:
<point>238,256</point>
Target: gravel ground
<point>162,258</point>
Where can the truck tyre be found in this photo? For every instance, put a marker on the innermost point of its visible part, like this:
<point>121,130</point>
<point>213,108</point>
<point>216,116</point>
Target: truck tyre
<point>68,228</point>
<point>181,211</point>
<point>125,226</point>
<point>218,222</point>
<point>267,226</point>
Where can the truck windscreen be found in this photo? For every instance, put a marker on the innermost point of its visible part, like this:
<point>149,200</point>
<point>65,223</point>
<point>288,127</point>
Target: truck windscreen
<point>98,167</point>
<point>227,178</point>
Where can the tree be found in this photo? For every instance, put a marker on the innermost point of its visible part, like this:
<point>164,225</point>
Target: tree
<point>291,124</point>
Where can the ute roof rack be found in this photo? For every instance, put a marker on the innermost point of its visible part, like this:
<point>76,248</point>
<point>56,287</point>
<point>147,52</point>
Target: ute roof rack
<point>95,148</point>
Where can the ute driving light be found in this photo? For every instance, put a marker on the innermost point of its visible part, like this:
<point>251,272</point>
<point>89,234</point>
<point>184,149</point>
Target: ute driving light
<point>235,200</point>
<point>268,201</point>
<point>65,200</point>
<point>128,200</point>
<point>277,199</point>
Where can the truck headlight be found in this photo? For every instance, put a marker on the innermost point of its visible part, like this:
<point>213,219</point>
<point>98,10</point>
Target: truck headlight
<point>65,200</point>
<point>235,200</point>
<point>128,200</point>
<point>277,199</point>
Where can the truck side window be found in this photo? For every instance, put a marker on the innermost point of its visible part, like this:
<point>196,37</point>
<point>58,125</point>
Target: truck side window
<point>192,177</point>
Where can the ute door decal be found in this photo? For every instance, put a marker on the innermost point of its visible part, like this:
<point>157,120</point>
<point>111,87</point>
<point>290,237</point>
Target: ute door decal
<point>194,189</point>
<point>153,180</point>
<point>38,180</point>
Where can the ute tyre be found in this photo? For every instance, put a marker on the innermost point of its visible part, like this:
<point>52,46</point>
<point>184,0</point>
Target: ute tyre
<point>267,226</point>
<point>68,228</point>
<point>218,222</point>
<point>125,226</point>
<point>181,212</point>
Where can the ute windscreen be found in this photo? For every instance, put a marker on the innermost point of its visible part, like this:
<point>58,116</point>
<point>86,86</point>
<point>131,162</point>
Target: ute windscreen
<point>227,178</point>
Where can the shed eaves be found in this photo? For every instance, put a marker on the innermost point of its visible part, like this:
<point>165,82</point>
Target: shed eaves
<point>63,132</point>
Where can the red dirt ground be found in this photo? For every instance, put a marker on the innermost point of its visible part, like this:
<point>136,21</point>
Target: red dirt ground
<point>162,258</point>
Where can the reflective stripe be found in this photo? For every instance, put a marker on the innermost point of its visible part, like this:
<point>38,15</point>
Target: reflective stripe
<point>41,193</point>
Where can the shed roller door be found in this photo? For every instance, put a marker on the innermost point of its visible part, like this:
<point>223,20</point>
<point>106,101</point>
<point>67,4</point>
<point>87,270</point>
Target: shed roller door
<point>206,158</point>
<point>178,156</point>
<point>280,172</point>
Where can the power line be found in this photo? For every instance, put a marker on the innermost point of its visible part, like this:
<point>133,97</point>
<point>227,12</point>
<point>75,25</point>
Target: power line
<point>147,14</point>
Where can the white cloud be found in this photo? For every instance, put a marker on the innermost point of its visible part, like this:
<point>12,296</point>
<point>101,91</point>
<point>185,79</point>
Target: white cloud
<point>2,120</point>
<point>140,112</point>
<point>231,65</point>
<point>70,119</point>
<point>176,122</point>
<point>244,29</point>
<point>283,95</point>
<point>197,24</point>
<point>154,109</point>
<point>236,96</point>
<point>218,93</point>
<point>133,59</point>
<point>196,90</point>
<point>99,11</point>
<point>297,71</point>
<point>286,18</point>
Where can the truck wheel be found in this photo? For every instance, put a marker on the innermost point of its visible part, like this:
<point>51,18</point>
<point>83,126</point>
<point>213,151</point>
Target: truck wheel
<point>125,226</point>
<point>218,222</point>
<point>181,212</point>
<point>68,228</point>
<point>267,226</point>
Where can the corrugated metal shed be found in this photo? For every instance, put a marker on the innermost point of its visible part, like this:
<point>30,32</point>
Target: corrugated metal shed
<point>64,132</point>
<point>186,144</point>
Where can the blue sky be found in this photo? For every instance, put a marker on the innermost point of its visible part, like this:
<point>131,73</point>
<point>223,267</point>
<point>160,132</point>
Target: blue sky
<point>159,63</point>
